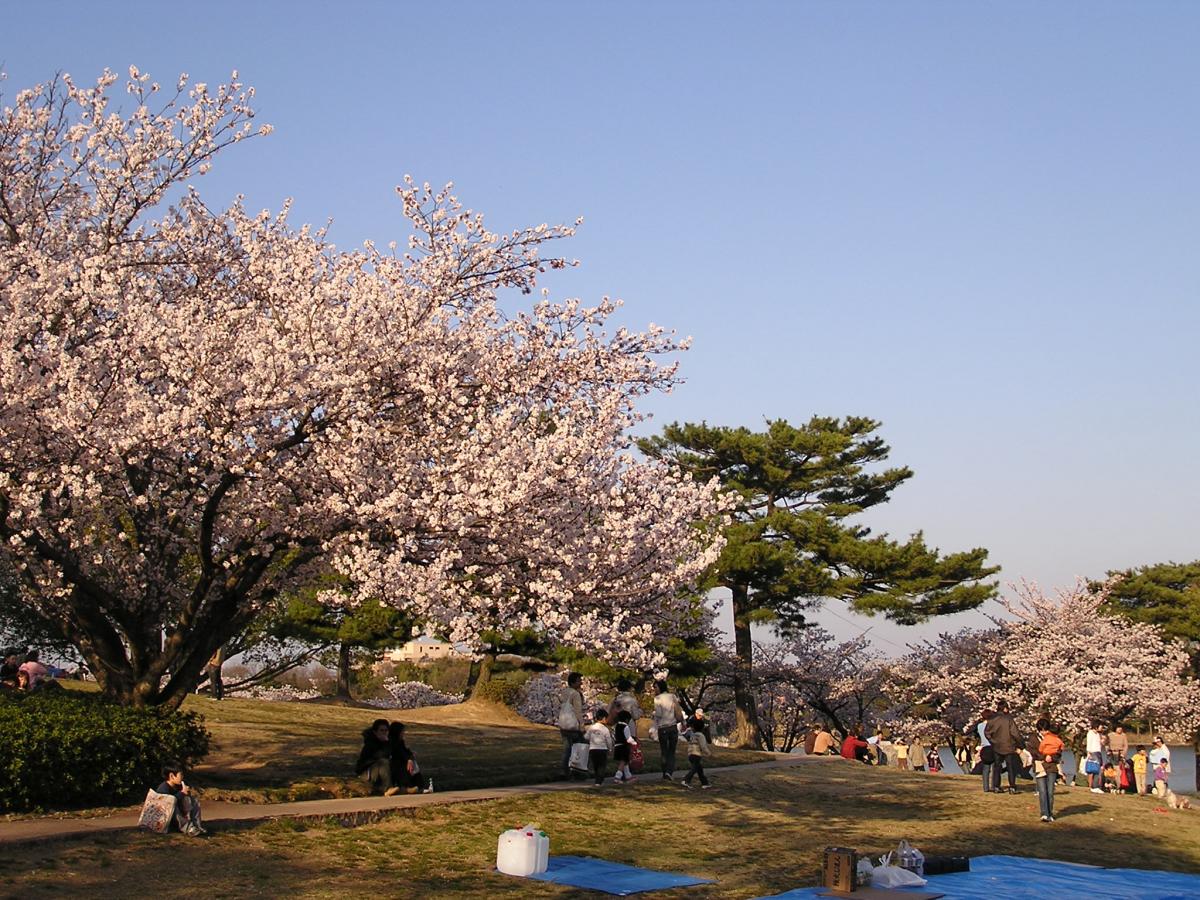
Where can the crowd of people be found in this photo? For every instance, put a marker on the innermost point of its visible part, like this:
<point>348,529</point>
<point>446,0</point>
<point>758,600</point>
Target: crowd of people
<point>615,730</point>
<point>997,750</point>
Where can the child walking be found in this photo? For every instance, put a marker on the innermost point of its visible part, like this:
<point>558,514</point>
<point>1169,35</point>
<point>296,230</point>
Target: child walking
<point>697,749</point>
<point>625,740</point>
<point>600,743</point>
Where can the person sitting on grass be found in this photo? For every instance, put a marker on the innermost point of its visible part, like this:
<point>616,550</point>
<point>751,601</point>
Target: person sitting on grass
<point>406,774</point>
<point>624,742</point>
<point>697,749</point>
<point>824,745</point>
<point>600,744</point>
<point>187,807</point>
<point>1110,777</point>
<point>854,747</point>
<point>375,759</point>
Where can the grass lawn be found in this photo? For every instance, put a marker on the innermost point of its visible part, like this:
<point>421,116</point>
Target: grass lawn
<point>306,751</point>
<point>756,833</point>
<point>271,752</point>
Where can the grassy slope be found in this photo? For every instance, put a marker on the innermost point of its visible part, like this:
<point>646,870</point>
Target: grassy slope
<point>756,833</point>
<point>280,751</point>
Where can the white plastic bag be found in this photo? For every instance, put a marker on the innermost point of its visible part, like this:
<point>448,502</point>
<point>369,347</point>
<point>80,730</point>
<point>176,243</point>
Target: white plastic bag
<point>886,875</point>
<point>895,877</point>
<point>579,757</point>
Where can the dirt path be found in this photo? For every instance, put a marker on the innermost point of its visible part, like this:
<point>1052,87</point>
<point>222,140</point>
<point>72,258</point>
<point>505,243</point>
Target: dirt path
<point>352,811</point>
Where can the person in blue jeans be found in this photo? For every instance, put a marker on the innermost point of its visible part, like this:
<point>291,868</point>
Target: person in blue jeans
<point>987,754</point>
<point>1046,749</point>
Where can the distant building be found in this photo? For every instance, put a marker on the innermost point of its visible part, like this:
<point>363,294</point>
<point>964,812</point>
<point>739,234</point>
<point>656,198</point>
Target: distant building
<point>424,649</point>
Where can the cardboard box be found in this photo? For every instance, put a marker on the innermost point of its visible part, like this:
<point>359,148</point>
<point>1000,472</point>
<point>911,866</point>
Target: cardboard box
<point>841,869</point>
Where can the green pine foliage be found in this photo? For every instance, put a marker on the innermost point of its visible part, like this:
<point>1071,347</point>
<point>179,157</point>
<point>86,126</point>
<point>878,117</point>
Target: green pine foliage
<point>796,537</point>
<point>1165,594</point>
<point>65,749</point>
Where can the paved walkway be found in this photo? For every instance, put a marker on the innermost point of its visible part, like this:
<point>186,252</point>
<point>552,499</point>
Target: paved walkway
<point>352,811</point>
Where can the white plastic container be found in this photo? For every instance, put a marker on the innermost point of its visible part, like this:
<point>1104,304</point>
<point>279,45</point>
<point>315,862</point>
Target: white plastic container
<point>523,851</point>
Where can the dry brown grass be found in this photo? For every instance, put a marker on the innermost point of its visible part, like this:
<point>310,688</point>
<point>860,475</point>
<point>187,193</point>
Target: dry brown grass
<point>756,832</point>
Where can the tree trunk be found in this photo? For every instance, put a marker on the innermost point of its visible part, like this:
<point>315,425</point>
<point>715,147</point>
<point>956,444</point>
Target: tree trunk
<point>343,673</point>
<point>745,733</point>
<point>482,673</point>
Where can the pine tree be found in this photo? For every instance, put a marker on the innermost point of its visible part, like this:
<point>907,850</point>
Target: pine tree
<point>795,539</point>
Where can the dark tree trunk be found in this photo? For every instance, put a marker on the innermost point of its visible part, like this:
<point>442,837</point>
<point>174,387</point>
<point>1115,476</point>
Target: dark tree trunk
<point>745,733</point>
<point>343,672</point>
<point>481,672</point>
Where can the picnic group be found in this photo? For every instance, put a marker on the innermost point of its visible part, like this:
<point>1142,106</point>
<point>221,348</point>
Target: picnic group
<point>994,746</point>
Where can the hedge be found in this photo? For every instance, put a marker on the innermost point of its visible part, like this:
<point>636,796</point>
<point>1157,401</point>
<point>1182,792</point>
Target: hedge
<point>63,749</point>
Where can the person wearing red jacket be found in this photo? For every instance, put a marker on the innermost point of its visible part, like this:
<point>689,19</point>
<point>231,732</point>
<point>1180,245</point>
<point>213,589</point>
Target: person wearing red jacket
<point>854,747</point>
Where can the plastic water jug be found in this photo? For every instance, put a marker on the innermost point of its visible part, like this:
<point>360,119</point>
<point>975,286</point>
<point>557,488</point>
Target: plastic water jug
<point>523,851</point>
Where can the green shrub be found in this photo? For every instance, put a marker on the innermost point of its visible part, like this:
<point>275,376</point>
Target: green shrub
<point>66,749</point>
<point>503,688</point>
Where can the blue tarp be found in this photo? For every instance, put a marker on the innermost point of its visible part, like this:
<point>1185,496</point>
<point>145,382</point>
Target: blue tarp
<point>610,877</point>
<point>1017,878</point>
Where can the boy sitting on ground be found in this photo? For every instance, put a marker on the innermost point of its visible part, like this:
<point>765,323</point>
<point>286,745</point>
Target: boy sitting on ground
<point>187,807</point>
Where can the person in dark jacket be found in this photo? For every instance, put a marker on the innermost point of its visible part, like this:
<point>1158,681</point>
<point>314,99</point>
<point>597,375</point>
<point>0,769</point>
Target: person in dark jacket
<point>406,774</point>
<point>375,760</point>
<point>1002,733</point>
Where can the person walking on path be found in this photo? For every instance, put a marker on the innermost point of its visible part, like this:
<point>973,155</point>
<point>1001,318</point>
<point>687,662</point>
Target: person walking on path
<point>1001,732</point>
<point>697,750</point>
<point>600,744</point>
<point>667,716</point>
<point>570,720</point>
<point>987,754</point>
<point>1047,752</point>
<point>626,701</point>
<point>623,744</point>
<point>1094,767</point>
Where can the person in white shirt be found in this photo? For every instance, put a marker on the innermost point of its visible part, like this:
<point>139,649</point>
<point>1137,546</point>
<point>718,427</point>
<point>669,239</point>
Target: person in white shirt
<point>1095,758</point>
<point>600,744</point>
<point>1160,751</point>
<point>667,716</point>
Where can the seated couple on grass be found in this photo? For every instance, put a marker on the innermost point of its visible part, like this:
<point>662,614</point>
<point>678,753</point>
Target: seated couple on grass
<point>386,763</point>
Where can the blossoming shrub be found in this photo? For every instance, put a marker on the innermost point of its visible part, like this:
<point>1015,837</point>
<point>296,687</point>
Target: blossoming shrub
<point>410,695</point>
<point>541,697</point>
<point>278,693</point>
<point>67,749</point>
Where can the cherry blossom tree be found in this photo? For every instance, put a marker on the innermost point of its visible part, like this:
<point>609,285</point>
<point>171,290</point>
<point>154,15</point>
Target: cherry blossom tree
<point>807,676</point>
<point>1065,656</point>
<point>202,409</point>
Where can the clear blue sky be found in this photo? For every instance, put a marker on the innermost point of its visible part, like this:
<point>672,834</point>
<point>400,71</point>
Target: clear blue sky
<point>975,222</point>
